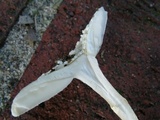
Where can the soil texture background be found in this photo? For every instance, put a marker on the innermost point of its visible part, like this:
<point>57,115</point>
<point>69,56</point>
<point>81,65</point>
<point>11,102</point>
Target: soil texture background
<point>129,58</point>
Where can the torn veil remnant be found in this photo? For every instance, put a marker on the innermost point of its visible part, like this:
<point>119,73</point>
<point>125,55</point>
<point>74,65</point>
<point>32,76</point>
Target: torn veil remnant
<point>83,66</point>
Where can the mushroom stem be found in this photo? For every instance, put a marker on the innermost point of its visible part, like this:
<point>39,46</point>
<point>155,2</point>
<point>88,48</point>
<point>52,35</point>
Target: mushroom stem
<point>91,75</point>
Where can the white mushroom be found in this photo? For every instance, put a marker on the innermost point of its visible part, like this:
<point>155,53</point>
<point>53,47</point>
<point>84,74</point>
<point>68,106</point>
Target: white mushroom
<point>83,66</point>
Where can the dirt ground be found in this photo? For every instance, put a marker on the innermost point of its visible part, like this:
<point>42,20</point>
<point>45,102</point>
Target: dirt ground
<point>129,58</point>
<point>9,11</point>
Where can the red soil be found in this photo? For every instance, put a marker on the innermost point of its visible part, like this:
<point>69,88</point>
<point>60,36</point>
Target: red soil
<point>9,11</point>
